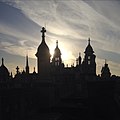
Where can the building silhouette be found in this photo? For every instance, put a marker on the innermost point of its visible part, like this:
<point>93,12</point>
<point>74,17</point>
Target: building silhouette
<point>53,83</point>
<point>87,67</point>
<point>43,55</point>
<point>89,64</point>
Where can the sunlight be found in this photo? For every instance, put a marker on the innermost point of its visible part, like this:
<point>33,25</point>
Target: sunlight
<point>67,56</point>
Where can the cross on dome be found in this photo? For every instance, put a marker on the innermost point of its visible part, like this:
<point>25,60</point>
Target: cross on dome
<point>43,31</point>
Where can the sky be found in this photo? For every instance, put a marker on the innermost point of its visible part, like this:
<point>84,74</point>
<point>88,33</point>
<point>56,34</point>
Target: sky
<point>71,22</point>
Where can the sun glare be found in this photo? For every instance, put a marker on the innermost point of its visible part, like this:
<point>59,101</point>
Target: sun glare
<point>67,56</point>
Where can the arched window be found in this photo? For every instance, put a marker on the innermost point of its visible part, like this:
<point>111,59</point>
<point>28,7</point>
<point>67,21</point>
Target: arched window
<point>88,57</point>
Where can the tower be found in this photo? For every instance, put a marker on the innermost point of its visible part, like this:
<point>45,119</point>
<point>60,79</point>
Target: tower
<point>89,64</point>
<point>4,73</point>
<point>105,72</point>
<point>43,55</point>
<point>78,60</point>
<point>57,61</point>
<point>27,65</point>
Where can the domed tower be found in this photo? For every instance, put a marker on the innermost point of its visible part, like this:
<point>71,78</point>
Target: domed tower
<point>43,55</point>
<point>105,72</point>
<point>4,73</point>
<point>57,61</point>
<point>89,64</point>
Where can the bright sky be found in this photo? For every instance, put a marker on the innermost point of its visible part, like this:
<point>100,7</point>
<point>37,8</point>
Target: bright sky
<point>70,22</point>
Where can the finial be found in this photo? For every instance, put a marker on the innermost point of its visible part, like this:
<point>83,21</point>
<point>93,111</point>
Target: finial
<point>105,61</point>
<point>43,31</point>
<point>88,40</point>
<point>2,61</point>
<point>17,69</point>
<point>34,69</point>
<point>43,34</point>
<point>27,60</point>
<point>56,43</point>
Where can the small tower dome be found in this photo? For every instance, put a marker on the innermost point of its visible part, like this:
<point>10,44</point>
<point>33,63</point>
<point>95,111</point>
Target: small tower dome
<point>89,64</point>
<point>4,73</point>
<point>89,48</point>
<point>105,71</point>
<point>57,60</point>
<point>57,50</point>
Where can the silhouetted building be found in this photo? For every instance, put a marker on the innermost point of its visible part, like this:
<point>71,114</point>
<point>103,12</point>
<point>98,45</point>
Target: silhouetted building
<point>27,65</point>
<point>89,64</point>
<point>57,60</point>
<point>53,82</point>
<point>43,55</point>
<point>78,60</point>
<point>4,73</point>
<point>105,72</point>
<point>48,68</point>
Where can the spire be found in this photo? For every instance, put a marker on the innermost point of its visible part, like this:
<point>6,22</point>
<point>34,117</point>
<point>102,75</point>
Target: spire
<point>34,69</point>
<point>26,60</point>
<point>27,65</point>
<point>106,65</point>
<point>89,48</point>
<point>43,34</point>
<point>105,72</point>
<point>79,58</point>
<point>11,75</point>
<point>2,61</point>
<point>57,44</point>
<point>17,69</point>
<point>88,41</point>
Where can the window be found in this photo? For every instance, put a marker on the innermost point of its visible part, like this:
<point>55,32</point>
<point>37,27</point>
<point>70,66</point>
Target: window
<point>57,63</point>
<point>88,57</point>
<point>57,59</point>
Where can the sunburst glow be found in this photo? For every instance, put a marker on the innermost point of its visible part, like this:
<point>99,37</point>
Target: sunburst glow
<point>66,55</point>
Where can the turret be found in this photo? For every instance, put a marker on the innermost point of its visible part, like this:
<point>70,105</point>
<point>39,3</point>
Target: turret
<point>57,61</point>
<point>27,65</point>
<point>43,55</point>
<point>78,60</point>
<point>89,64</point>
<point>105,71</point>
<point>4,73</point>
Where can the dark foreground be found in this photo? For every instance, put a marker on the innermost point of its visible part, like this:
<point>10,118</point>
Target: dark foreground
<point>98,102</point>
<point>72,108</point>
<point>80,109</point>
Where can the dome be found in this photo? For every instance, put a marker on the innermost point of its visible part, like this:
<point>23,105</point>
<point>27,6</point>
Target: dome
<point>3,70</point>
<point>105,69</point>
<point>105,72</point>
<point>89,48</point>
<point>57,51</point>
<point>43,49</point>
